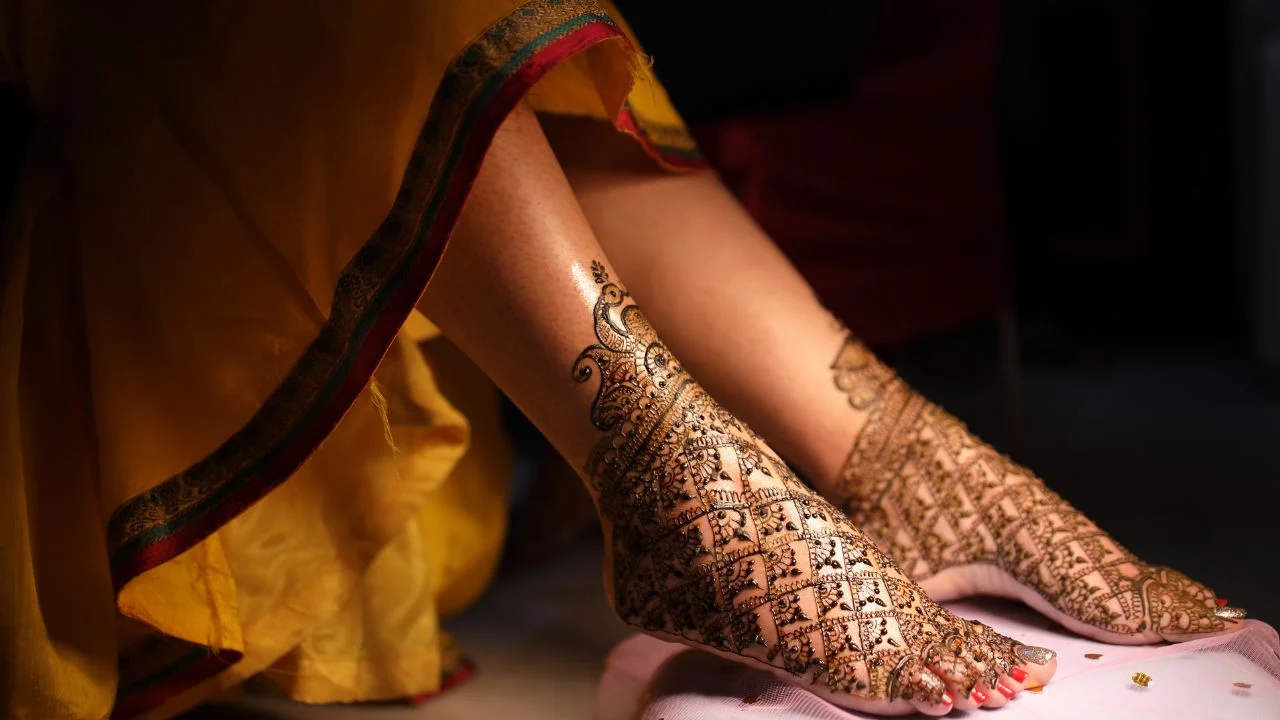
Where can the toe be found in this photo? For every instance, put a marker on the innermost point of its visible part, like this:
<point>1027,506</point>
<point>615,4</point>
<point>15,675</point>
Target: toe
<point>1181,609</point>
<point>985,695</point>
<point>989,692</point>
<point>1038,663</point>
<point>912,680</point>
<point>1018,679</point>
<point>979,696</point>
<point>942,707</point>
<point>1178,615</point>
<point>1196,590</point>
<point>1006,689</point>
<point>959,672</point>
<point>1183,629</point>
<point>995,699</point>
<point>1030,666</point>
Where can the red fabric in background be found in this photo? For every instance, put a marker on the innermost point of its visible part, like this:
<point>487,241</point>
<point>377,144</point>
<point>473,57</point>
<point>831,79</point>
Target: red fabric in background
<point>889,202</point>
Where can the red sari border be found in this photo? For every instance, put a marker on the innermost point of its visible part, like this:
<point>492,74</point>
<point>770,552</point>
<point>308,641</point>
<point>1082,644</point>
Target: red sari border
<point>200,665</point>
<point>298,436</point>
<point>670,156</point>
<point>377,290</point>
<point>152,528</point>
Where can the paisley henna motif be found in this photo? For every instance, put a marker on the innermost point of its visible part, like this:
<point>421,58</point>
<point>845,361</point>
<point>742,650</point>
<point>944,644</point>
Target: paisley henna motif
<point>714,540</point>
<point>936,497</point>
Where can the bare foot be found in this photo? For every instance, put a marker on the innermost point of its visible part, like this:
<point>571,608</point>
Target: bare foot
<point>962,519</point>
<point>713,542</point>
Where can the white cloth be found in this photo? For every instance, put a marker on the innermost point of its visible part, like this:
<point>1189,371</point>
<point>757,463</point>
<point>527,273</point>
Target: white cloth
<point>648,679</point>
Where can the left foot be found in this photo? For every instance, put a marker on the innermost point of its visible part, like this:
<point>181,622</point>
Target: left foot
<point>961,519</point>
<point>713,542</point>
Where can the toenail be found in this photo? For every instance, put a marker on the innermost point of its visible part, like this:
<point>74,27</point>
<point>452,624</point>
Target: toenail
<point>1037,655</point>
<point>1018,674</point>
<point>1007,692</point>
<point>978,696</point>
<point>1222,602</point>
<point>1231,613</point>
<point>946,698</point>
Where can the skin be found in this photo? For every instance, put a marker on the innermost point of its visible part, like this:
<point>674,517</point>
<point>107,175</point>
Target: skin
<point>753,332</point>
<point>710,538</point>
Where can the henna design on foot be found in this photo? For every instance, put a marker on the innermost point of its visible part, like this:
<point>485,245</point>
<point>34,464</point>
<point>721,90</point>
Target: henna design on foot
<point>714,540</point>
<point>936,497</point>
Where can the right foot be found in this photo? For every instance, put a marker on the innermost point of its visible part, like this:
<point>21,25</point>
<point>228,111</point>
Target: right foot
<point>962,519</point>
<point>714,543</point>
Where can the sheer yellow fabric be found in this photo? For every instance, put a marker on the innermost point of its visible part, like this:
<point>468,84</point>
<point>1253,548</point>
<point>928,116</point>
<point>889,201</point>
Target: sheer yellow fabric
<point>226,212</point>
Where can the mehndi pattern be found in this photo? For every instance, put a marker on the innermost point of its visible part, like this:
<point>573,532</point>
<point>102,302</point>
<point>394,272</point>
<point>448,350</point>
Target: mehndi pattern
<point>936,497</point>
<point>714,540</point>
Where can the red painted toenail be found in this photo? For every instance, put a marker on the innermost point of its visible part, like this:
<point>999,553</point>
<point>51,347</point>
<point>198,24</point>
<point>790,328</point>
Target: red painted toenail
<point>1222,602</point>
<point>1018,674</point>
<point>978,696</point>
<point>946,698</point>
<point>1005,691</point>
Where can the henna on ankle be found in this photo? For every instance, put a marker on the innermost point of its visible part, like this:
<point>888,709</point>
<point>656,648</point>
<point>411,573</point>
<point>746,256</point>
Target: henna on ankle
<point>936,497</point>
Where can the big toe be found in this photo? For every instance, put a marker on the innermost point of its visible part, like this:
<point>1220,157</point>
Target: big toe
<point>1197,622</point>
<point>1182,609</point>
<point>1038,663</point>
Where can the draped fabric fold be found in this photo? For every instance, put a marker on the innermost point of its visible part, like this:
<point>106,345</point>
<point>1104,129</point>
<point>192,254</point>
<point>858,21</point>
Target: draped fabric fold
<point>229,445</point>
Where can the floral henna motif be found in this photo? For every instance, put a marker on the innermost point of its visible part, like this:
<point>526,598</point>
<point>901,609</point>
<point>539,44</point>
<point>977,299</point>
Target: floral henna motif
<point>713,539</point>
<point>936,497</point>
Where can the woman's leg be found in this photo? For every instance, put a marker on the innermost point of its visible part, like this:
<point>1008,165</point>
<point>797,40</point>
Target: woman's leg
<point>711,539</point>
<point>960,518</point>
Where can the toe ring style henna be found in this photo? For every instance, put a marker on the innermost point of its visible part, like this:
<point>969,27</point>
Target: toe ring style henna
<point>911,680</point>
<point>891,687</point>
<point>1037,655</point>
<point>955,644</point>
<point>1230,612</point>
<point>935,653</point>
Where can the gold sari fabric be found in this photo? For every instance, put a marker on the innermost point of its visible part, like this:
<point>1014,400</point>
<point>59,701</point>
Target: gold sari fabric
<point>229,446</point>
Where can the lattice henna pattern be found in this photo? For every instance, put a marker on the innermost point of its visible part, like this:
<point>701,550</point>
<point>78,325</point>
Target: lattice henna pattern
<point>936,497</point>
<point>715,540</point>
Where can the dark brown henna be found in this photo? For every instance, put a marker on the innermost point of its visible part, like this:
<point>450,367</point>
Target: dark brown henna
<point>936,497</point>
<point>714,540</point>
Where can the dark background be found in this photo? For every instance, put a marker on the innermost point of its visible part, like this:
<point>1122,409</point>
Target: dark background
<point>1138,147</point>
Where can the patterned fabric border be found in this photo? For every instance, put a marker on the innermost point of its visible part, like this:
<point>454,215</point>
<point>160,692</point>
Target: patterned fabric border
<point>373,296</point>
<point>374,293</point>
<point>193,666</point>
<point>670,145</point>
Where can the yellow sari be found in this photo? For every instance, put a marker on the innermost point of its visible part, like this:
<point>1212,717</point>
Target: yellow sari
<point>226,450</point>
